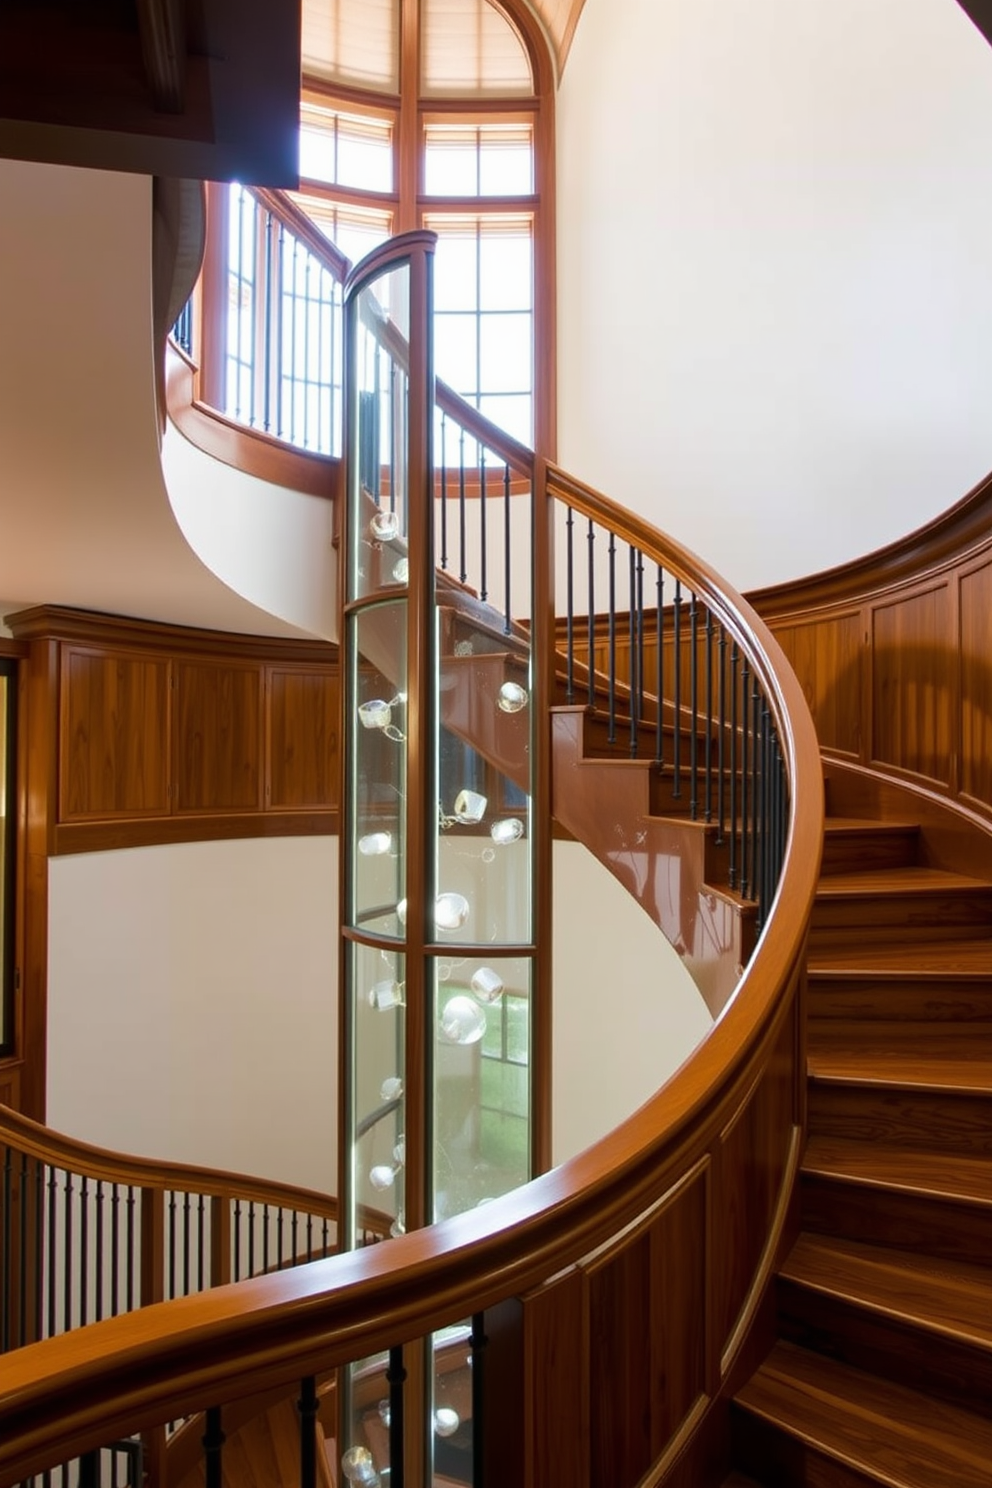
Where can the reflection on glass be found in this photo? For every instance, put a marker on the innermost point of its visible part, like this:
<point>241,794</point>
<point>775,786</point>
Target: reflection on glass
<point>377,987</point>
<point>377,765</point>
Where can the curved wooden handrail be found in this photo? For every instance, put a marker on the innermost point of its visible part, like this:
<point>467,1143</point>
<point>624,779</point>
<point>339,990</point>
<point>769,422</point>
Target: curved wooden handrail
<point>68,1394</point>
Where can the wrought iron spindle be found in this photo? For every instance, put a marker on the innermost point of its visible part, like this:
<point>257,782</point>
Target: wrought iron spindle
<point>393,409</point>
<point>632,644</point>
<point>755,780</point>
<point>280,1213</point>
<point>24,1189</point>
<point>307,1406</point>
<point>444,491</point>
<point>67,1255</point>
<point>591,612</point>
<point>251,1237</point>
<point>396,1378</point>
<point>5,1261</point>
<point>98,1299</point>
<point>611,665</point>
<point>677,663</point>
<point>569,605</point>
<point>236,1227</point>
<point>52,1248</point>
<point>83,1251</point>
<point>265,1239</point>
<point>172,1244</point>
<point>732,775</point>
<point>693,707</point>
<point>213,1444</point>
<point>479,1342</point>
<point>89,1470</point>
<point>641,689</point>
<point>722,729</point>
<point>746,858</point>
<point>462,570</point>
<point>483,534</point>
<point>659,743</point>
<point>708,790</point>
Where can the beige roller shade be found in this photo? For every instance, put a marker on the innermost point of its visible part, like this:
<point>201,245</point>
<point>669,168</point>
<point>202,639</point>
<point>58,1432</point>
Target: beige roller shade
<point>353,41</point>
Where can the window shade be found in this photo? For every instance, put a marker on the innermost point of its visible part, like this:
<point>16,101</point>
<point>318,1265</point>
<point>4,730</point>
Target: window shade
<point>469,47</point>
<point>353,41</point>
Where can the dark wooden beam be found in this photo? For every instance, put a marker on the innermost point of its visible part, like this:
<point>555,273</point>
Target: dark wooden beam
<point>162,27</point>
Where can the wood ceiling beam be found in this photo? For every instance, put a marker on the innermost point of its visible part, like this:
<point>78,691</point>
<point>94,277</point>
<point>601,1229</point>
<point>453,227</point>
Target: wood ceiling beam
<point>162,26</point>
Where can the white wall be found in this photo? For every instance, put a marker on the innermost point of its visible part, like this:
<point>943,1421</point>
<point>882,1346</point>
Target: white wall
<point>193,1003</point>
<point>626,1012</point>
<point>775,302</point>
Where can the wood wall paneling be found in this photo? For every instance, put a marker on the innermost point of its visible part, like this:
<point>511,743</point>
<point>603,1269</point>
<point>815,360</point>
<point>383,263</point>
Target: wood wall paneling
<point>913,683</point>
<point>556,1383</point>
<point>114,734</point>
<point>218,737</point>
<point>302,723</point>
<point>976,683</point>
<point>826,654</point>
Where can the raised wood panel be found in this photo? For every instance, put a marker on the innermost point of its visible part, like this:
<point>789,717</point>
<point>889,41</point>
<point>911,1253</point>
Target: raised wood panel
<point>914,667</point>
<point>303,745</point>
<point>646,1303</point>
<point>114,735</point>
<point>753,1158</point>
<point>827,657</point>
<point>218,746</point>
<point>556,1390</point>
<point>10,1088</point>
<point>976,684</point>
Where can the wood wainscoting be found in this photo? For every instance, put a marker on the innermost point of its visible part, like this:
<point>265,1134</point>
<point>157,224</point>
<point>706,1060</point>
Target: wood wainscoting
<point>135,733</point>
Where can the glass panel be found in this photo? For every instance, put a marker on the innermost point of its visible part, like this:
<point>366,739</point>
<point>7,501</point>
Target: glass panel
<point>452,1404</point>
<point>365,1462</point>
<point>379,1019</point>
<point>379,461</point>
<point>482,1080</point>
<point>377,767</point>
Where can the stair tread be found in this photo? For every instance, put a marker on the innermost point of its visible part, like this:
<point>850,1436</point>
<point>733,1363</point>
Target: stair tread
<point>952,1298</point>
<point>868,825</point>
<point>891,1433</point>
<point>970,958</point>
<point>938,1174</point>
<point>914,879</point>
<point>933,1056</point>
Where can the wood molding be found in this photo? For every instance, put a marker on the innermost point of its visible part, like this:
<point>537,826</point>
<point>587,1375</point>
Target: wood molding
<point>249,450</point>
<point>60,622</point>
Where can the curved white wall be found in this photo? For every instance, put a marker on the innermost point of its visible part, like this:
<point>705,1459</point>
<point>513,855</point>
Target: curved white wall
<point>774,239</point>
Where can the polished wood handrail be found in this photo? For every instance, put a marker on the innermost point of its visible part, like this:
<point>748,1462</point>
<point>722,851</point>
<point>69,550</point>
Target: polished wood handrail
<point>68,1393</point>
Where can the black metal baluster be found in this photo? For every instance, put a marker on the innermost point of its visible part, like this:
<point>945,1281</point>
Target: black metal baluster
<point>201,1244</point>
<point>240,294</point>
<point>213,1443</point>
<point>569,605</point>
<point>172,1243</point>
<point>396,1376</point>
<point>444,491</point>
<point>89,1470</point>
<point>641,690</point>
<point>6,1306</point>
<point>755,780</point>
<point>745,857</point>
<point>721,693</point>
<point>83,1250</point>
<point>309,1237</point>
<point>483,534</point>
<point>659,742</point>
<point>279,1224</point>
<point>237,1240</point>
<point>611,665</point>
<point>392,436</point>
<point>187,1244</point>
<point>39,1220</point>
<point>267,290</point>
<point>307,1406</point>
<point>463,571</point>
<point>677,641</point>
<point>265,1239</point>
<point>766,810</point>
<point>294,1233</point>
<point>281,331</point>
<point>67,1256</point>
<point>507,540</point>
<point>22,1270</point>
<point>632,644</point>
<point>98,1301</point>
<point>694,708</point>
<point>251,1237</point>
<point>130,1249</point>
<point>591,614</point>
<point>732,805</point>
<point>52,1247</point>
<point>708,801</point>
<point>115,1248</point>
<point>324,1251</point>
<point>307,297</point>
<point>293,304</point>
<point>479,1342</point>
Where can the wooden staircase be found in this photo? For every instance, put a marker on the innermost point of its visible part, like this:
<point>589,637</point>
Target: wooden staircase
<point>882,1370</point>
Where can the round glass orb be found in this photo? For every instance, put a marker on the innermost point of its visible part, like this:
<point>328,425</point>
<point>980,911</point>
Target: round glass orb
<point>470,806</point>
<point>385,1414</point>
<point>510,829</point>
<point>446,1421</point>
<point>385,995</point>
<point>384,526</point>
<point>401,911</point>
<point>511,697</point>
<point>382,1176</point>
<point>451,911</point>
<point>397,1228</point>
<point>375,713</point>
<point>358,1467</point>
<point>462,1021</point>
<point>401,571</point>
<point>487,985</point>
<point>391,1088</point>
<point>374,844</point>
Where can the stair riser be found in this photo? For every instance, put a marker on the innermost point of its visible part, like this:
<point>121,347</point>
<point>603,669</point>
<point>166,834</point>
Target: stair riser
<point>957,1372</point>
<point>849,923</point>
<point>779,1460</point>
<point>928,1121</point>
<point>861,852</point>
<point>899,999</point>
<point>943,1228</point>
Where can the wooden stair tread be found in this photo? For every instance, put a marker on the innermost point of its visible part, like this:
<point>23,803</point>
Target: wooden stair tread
<point>938,1174</point>
<point>868,825</point>
<point>951,1298</point>
<point>915,879</point>
<point>966,958</point>
<point>891,1434</point>
<point>942,1057</point>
